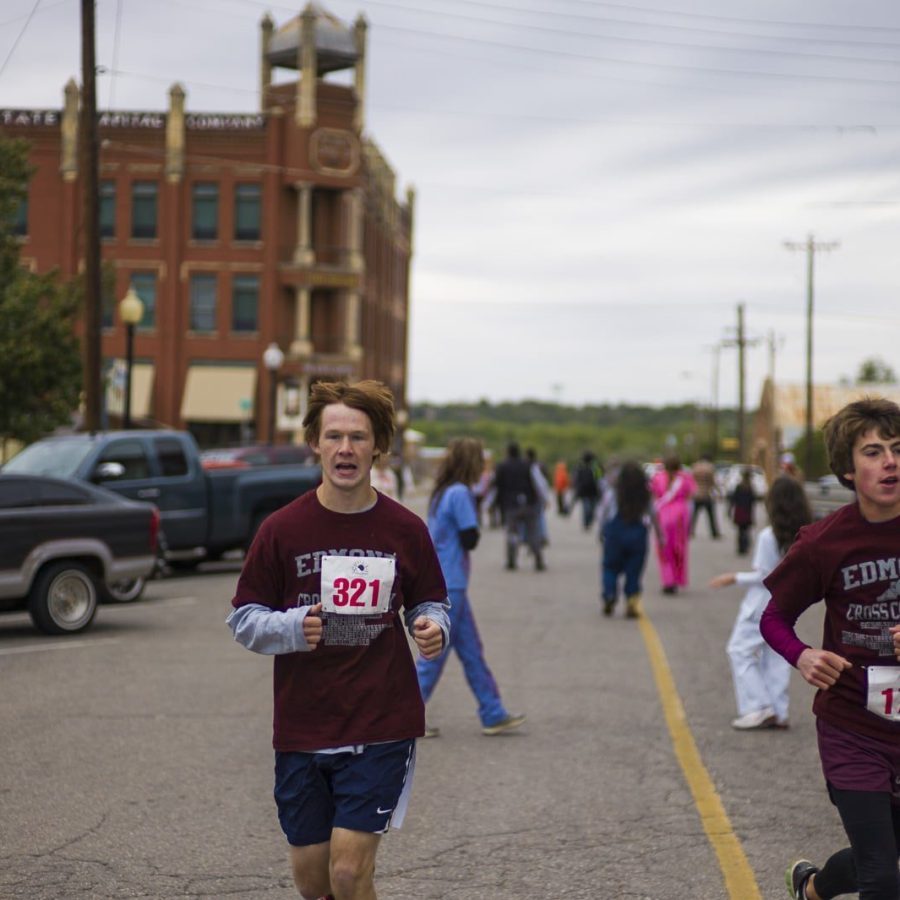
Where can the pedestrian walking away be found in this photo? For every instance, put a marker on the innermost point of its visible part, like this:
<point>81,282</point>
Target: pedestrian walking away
<point>347,703</point>
<point>453,524</point>
<point>673,488</point>
<point>761,676</point>
<point>542,489</point>
<point>561,487</point>
<point>704,473</point>
<point>586,487</point>
<point>741,502</point>
<point>518,499</point>
<point>625,514</point>
<point>850,559</point>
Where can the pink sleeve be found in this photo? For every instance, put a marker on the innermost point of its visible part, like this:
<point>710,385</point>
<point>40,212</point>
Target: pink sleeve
<point>777,628</point>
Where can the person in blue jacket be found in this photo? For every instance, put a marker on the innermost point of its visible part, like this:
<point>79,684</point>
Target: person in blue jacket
<point>453,524</point>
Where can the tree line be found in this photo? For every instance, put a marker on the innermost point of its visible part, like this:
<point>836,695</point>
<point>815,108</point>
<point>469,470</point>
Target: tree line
<point>559,431</point>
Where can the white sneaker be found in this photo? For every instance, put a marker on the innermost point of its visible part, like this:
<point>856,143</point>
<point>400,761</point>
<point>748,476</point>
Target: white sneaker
<point>760,718</point>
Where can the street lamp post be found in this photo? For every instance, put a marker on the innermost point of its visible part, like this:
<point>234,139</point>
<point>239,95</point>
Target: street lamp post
<point>273,360</point>
<point>131,311</point>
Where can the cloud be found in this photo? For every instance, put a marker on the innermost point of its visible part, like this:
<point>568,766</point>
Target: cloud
<point>596,192</point>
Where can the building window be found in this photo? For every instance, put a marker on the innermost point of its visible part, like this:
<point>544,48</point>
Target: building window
<point>144,284</point>
<point>244,302</point>
<point>143,209</point>
<point>203,303</point>
<point>247,212</point>
<point>107,209</point>
<point>107,302</point>
<point>205,202</point>
<point>20,219</point>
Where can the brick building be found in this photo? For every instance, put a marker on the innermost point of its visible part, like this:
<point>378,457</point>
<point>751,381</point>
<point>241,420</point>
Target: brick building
<point>780,420</point>
<point>237,230</point>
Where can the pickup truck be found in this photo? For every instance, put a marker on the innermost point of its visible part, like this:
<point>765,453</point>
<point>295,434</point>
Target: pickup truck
<point>64,545</point>
<point>203,513</point>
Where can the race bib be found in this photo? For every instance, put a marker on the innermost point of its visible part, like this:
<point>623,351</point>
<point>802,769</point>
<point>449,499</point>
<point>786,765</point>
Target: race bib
<point>884,691</point>
<point>357,585</point>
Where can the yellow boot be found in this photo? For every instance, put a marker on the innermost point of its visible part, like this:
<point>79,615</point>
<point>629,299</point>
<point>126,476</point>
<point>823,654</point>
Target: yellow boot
<point>633,606</point>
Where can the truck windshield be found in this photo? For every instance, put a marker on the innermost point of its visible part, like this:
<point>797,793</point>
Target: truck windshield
<point>59,458</point>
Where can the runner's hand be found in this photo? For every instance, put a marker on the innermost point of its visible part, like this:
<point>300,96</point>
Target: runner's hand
<point>821,668</point>
<point>724,580</point>
<point>312,626</point>
<point>428,637</point>
<point>895,631</point>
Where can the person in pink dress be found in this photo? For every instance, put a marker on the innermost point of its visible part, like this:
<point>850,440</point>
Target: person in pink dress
<point>672,488</point>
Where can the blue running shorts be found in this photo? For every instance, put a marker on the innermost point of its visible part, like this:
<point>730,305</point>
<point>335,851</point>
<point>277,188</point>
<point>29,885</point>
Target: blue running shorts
<point>357,790</point>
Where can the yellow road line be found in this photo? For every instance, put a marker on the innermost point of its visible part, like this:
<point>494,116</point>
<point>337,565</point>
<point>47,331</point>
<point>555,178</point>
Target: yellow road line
<point>739,878</point>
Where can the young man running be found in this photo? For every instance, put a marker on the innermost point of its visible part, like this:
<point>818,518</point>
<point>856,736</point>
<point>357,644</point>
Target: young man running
<point>322,589</point>
<point>851,559</point>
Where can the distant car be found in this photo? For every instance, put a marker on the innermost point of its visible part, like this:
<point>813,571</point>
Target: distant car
<point>826,494</point>
<point>66,545</point>
<point>730,478</point>
<point>256,455</point>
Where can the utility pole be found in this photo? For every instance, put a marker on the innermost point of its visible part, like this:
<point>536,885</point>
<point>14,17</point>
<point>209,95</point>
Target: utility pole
<point>714,418</point>
<point>742,389</point>
<point>741,341</point>
<point>91,226</point>
<point>770,429</point>
<point>809,247</point>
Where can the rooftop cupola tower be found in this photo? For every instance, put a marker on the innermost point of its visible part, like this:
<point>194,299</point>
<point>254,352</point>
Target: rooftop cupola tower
<point>315,44</point>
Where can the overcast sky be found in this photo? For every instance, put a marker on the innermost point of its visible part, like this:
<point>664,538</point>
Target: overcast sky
<point>599,185</point>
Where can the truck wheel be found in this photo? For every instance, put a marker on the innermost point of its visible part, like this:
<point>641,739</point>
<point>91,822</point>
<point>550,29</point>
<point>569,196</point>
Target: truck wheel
<point>63,598</point>
<point>125,591</point>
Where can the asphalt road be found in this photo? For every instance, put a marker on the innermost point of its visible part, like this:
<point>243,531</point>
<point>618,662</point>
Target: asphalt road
<point>137,758</point>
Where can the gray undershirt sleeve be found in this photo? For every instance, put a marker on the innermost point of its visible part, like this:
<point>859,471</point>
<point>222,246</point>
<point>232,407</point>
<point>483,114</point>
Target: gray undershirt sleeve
<point>269,631</point>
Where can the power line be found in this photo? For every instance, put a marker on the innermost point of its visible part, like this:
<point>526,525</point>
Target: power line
<point>775,22</point>
<point>556,12</point>
<point>19,36</point>
<point>115,53</point>
<point>495,114</point>
<point>613,60</point>
<point>168,80</point>
<point>706,70</point>
<point>647,41</point>
<point>653,42</point>
<point>44,8</point>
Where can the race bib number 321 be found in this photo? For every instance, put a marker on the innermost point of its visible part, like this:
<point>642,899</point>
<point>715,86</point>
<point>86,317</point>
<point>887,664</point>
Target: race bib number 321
<point>356,585</point>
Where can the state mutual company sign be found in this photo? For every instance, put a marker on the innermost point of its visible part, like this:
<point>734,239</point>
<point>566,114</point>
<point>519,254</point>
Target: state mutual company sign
<point>51,118</point>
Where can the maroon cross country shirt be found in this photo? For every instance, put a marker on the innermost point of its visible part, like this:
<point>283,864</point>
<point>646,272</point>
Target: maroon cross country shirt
<point>854,565</point>
<point>359,685</point>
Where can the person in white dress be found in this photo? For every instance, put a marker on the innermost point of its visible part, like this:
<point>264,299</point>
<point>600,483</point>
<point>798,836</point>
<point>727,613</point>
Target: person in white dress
<point>761,676</point>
